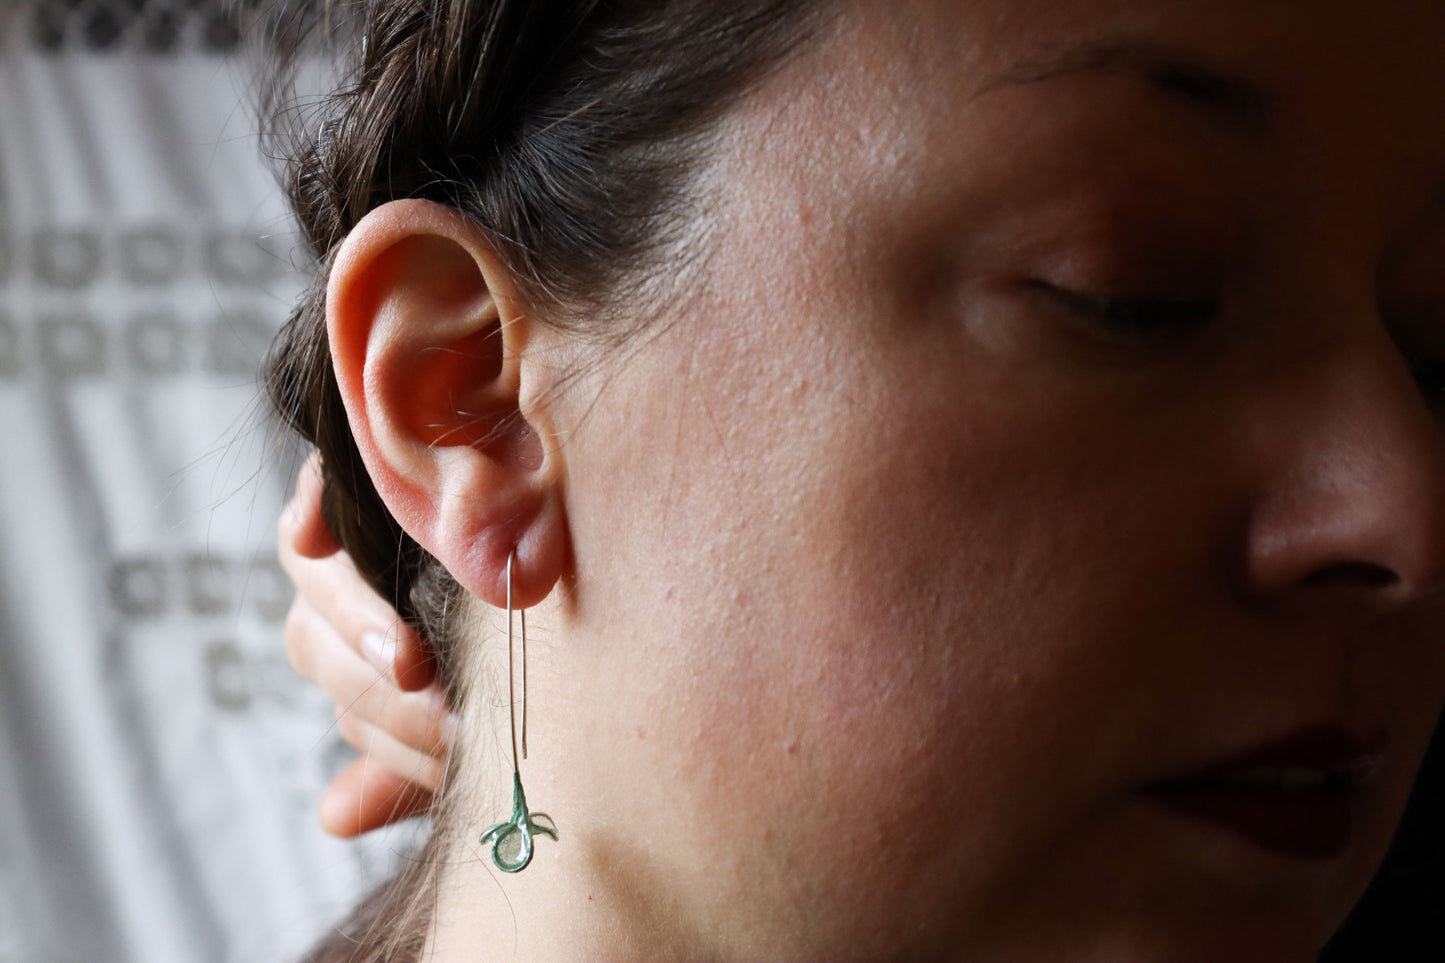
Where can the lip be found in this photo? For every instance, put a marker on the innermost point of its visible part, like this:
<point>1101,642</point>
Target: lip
<point>1313,822</point>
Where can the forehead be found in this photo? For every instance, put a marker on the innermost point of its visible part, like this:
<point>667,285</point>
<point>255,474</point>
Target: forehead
<point>1283,42</point>
<point>1349,56</point>
<point>1284,92</point>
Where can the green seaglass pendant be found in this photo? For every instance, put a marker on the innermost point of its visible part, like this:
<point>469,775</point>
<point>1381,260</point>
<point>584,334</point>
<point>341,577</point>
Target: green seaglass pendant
<point>512,840</point>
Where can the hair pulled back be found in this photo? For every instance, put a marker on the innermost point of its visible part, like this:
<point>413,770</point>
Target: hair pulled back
<point>567,130</point>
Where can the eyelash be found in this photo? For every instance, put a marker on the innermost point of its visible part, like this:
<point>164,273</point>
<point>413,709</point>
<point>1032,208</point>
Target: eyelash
<point>1135,318</point>
<point>1144,320</point>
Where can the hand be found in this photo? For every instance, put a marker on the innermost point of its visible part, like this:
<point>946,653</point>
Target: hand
<point>342,637</point>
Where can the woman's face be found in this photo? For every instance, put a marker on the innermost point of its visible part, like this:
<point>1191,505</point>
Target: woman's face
<point>1024,538</point>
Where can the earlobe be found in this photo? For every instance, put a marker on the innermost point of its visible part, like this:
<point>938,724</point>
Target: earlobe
<point>428,336</point>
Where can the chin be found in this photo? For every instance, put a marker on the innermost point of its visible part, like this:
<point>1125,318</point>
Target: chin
<point>1147,887</point>
<point>1225,926</point>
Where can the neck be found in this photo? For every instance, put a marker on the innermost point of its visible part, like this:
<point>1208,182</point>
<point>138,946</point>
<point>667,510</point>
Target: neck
<point>583,896</point>
<point>571,902</point>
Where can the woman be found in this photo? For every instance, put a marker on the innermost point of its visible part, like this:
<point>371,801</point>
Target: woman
<point>973,471</point>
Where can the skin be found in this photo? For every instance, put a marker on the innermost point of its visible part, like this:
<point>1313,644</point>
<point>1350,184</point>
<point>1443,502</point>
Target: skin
<point>342,637</point>
<point>871,588</point>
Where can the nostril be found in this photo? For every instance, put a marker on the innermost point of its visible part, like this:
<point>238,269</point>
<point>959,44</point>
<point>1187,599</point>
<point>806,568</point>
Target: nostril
<point>1353,574</point>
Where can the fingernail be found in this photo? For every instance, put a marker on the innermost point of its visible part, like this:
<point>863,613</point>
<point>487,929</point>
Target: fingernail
<point>380,649</point>
<point>449,728</point>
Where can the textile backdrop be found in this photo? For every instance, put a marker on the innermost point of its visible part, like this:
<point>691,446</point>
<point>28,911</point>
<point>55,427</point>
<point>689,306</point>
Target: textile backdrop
<point>159,765</point>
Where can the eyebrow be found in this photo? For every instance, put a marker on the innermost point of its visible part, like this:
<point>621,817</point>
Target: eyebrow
<point>1240,104</point>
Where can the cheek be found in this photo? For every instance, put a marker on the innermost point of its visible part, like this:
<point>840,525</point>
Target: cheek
<point>893,615</point>
<point>836,645</point>
<point>924,653</point>
<point>955,624</point>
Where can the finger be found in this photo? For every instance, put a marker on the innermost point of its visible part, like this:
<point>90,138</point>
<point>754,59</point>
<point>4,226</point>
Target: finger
<point>302,528</point>
<point>312,643</point>
<point>340,596</point>
<point>310,555</point>
<point>386,751</point>
<point>366,796</point>
<point>418,720</point>
<point>413,664</point>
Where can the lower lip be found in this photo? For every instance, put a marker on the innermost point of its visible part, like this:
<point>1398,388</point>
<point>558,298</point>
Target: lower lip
<point>1299,825</point>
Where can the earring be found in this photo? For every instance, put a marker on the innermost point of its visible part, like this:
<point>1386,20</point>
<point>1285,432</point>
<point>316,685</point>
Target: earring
<point>512,840</point>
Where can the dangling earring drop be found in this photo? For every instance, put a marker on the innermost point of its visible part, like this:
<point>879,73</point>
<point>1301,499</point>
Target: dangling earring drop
<point>512,840</point>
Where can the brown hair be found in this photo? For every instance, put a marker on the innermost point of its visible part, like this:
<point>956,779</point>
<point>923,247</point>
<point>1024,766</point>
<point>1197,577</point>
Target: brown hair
<point>565,129</point>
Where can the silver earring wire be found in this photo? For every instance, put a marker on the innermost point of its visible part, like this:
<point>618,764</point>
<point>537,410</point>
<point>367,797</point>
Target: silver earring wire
<point>511,675</point>
<point>511,671</point>
<point>523,616</point>
<point>512,839</point>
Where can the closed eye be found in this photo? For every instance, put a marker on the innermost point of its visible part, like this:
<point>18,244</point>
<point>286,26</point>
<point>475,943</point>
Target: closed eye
<point>1140,318</point>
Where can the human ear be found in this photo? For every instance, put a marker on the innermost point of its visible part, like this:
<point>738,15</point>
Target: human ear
<point>429,341</point>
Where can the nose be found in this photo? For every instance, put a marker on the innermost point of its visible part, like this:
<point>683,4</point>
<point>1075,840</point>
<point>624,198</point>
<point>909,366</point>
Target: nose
<point>1352,506</point>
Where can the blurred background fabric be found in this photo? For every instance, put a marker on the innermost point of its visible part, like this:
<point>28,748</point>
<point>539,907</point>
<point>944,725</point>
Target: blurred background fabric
<point>159,764</point>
